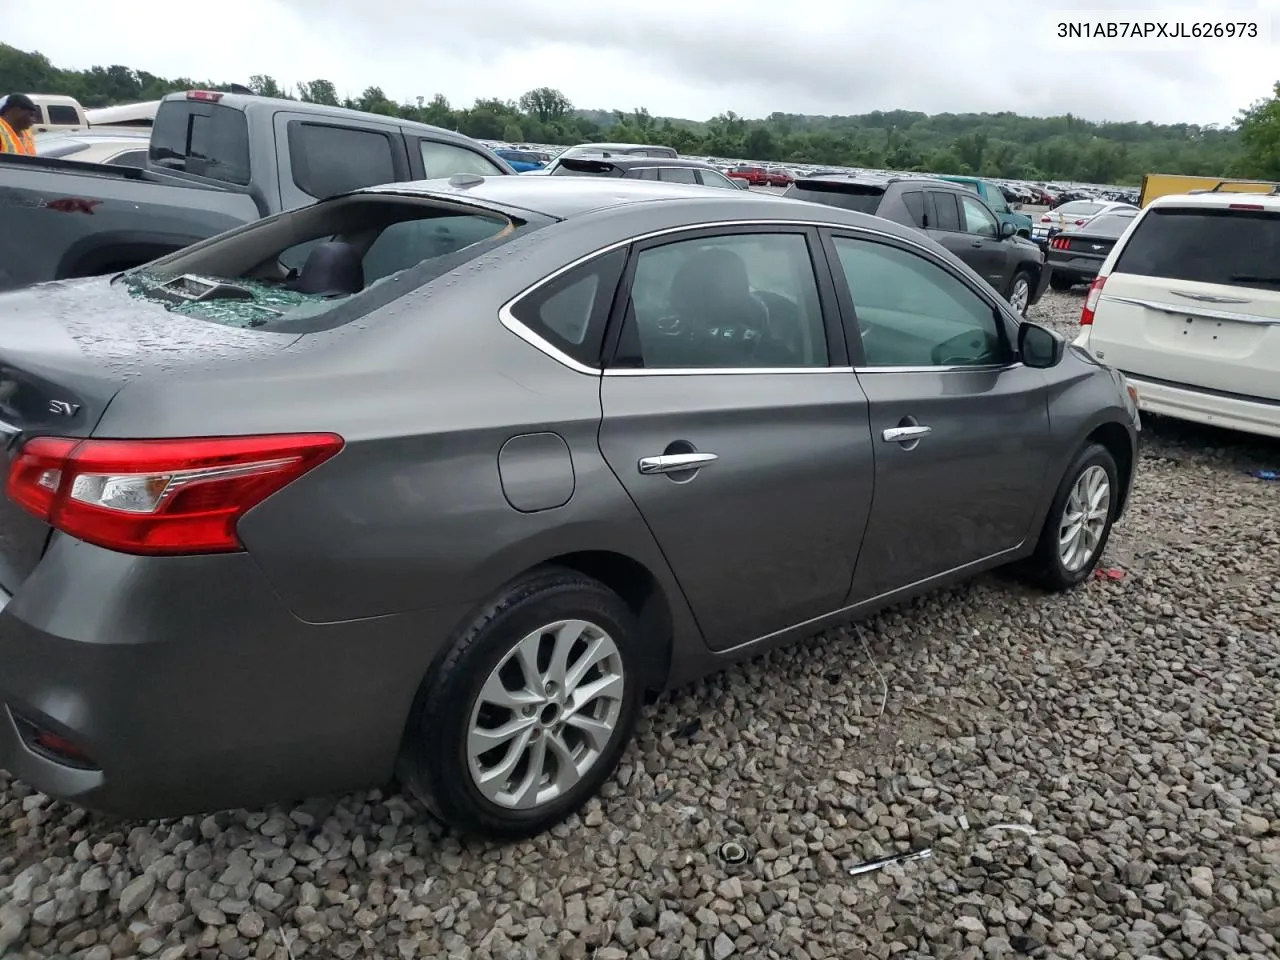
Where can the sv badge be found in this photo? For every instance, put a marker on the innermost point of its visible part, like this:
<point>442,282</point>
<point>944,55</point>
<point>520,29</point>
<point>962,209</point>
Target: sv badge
<point>62,408</point>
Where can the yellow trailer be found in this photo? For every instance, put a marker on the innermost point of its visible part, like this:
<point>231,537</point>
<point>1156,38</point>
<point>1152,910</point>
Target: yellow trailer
<point>1161,184</point>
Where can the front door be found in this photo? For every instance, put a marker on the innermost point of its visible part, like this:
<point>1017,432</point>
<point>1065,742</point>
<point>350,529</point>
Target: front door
<point>952,225</point>
<point>961,431</point>
<point>733,421</point>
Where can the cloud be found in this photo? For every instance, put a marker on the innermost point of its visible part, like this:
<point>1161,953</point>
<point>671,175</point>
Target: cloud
<point>682,58</point>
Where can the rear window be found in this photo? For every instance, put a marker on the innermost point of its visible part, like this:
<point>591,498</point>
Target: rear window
<point>913,200</point>
<point>858,197</point>
<point>1079,207</point>
<point>202,139</point>
<point>1232,247</point>
<point>582,167</point>
<point>321,265</point>
<point>1110,223</point>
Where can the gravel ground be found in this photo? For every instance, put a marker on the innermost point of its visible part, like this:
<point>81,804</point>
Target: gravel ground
<point>1132,724</point>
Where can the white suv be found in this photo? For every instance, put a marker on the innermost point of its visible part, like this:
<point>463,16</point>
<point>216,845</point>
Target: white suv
<point>1187,307</point>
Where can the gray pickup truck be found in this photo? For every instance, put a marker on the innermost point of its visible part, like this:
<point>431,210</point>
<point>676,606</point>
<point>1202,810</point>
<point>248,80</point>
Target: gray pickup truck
<point>215,161</point>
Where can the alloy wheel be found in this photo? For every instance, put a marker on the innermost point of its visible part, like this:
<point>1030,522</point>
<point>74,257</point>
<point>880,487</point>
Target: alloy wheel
<point>1084,518</point>
<point>1020,295</point>
<point>546,714</point>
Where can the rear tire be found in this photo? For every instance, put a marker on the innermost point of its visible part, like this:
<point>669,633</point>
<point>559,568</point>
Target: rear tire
<point>1060,283</point>
<point>1078,524</point>
<point>506,739</point>
<point>1020,292</point>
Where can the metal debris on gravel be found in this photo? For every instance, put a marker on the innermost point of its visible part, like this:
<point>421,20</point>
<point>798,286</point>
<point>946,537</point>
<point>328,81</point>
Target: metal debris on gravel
<point>1133,722</point>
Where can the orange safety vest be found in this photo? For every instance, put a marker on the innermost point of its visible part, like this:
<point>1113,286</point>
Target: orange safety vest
<point>13,142</point>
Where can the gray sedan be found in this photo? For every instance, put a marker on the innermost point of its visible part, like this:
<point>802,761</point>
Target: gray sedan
<point>445,478</point>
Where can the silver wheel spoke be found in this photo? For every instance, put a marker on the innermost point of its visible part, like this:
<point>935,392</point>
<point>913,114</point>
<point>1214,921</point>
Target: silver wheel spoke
<point>607,686</point>
<point>492,779</point>
<point>596,732</point>
<point>567,772</point>
<point>596,652</point>
<point>566,637</point>
<point>484,739</point>
<point>496,693</point>
<point>525,794</point>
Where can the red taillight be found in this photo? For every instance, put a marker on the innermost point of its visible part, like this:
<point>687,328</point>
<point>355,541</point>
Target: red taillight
<point>1046,218</point>
<point>1078,222</point>
<point>210,96</point>
<point>1060,243</point>
<point>1245,206</point>
<point>159,496</point>
<point>1091,301</point>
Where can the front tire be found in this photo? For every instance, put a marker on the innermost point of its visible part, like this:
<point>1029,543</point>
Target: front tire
<point>530,710</point>
<point>1078,525</point>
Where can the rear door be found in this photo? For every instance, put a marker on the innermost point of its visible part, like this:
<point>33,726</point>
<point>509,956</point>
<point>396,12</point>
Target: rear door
<point>1193,298</point>
<point>960,429</point>
<point>733,421</point>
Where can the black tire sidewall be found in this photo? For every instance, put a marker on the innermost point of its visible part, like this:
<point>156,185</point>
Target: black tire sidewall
<point>436,739</point>
<point>1056,573</point>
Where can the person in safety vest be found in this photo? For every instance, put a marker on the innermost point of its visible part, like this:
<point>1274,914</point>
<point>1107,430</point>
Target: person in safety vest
<point>18,114</point>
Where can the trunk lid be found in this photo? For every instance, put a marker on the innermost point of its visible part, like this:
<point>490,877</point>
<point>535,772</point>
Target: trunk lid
<point>66,349</point>
<point>1194,299</point>
<point>1090,246</point>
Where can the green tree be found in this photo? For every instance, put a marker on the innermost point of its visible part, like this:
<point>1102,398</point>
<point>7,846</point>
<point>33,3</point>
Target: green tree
<point>1260,138</point>
<point>265,86</point>
<point>546,103</point>
<point>318,91</point>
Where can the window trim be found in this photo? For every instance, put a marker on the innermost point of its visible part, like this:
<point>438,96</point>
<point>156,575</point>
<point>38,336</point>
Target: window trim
<point>853,333</point>
<point>716,227</point>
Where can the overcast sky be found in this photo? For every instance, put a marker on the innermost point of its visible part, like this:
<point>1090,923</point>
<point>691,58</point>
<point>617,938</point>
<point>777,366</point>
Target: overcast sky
<point>679,58</point>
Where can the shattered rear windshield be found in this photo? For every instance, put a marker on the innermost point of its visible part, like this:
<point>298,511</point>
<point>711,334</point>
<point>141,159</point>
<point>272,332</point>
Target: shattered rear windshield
<point>320,266</point>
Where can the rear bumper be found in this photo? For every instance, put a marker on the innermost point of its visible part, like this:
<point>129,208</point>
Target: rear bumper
<point>192,688</point>
<point>1215,409</point>
<point>1081,268</point>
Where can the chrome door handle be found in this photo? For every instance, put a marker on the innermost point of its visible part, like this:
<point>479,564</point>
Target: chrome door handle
<point>906,434</point>
<point>676,462</point>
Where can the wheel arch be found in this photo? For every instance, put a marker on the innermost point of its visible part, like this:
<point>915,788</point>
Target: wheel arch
<point>1114,438</point>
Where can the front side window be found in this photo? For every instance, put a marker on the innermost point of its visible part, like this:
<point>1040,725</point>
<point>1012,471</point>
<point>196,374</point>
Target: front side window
<point>441,160</point>
<point>978,220</point>
<point>913,313</point>
<point>203,139</point>
<point>736,301</point>
<point>995,198</point>
<point>329,160</point>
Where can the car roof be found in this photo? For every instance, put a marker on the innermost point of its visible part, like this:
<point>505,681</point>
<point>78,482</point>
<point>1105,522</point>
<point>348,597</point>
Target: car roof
<point>563,198</point>
<point>880,180</point>
<point>254,103</point>
<point>1219,200</point>
<point>631,160</point>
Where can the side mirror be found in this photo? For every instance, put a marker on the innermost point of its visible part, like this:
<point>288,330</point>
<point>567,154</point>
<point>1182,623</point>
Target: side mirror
<point>1039,347</point>
<point>1007,230</point>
